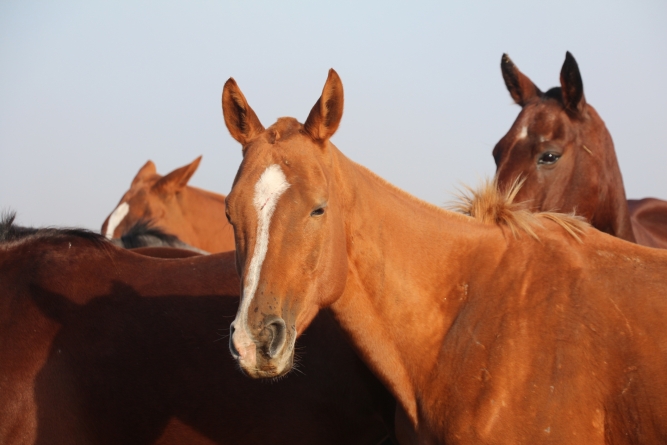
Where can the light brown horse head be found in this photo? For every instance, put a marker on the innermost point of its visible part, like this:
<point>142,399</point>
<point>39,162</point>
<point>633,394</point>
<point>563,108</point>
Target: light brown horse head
<point>561,148</point>
<point>152,197</point>
<point>286,218</point>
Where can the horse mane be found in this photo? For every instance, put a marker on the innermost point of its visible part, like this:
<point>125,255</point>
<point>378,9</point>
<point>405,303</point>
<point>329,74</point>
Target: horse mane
<point>144,233</point>
<point>491,205</point>
<point>10,232</point>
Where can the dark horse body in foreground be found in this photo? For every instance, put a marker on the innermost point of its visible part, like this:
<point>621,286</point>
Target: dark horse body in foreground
<point>562,149</point>
<point>99,345</point>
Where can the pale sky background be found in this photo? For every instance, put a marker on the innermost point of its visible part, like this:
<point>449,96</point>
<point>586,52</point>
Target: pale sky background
<point>91,90</point>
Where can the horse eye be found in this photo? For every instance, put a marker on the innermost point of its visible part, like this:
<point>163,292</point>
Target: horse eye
<point>317,212</point>
<point>548,158</point>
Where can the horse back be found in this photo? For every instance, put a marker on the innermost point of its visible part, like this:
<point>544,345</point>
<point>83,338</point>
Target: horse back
<point>100,345</point>
<point>649,221</point>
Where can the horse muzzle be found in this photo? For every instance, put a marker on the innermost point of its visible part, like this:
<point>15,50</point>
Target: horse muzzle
<point>270,354</point>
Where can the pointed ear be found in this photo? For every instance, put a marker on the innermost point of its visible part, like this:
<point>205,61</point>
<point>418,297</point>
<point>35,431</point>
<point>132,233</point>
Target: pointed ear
<point>241,121</point>
<point>521,88</point>
<point>572,87</point>
<point>145,172</point>
<point>327,112</point>
<point>178,179</point>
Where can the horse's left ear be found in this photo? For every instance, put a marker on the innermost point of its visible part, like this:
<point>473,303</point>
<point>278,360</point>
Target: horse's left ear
<point>572,87</point>
<point>178,179</point>
<point>145,172</point>
<point>327,112</point>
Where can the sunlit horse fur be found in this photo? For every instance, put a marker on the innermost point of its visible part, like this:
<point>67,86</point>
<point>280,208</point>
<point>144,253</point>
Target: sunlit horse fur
<point>195,216</point>
<point>99,345</point>
<point>483,335</point>
<point>563,151</point>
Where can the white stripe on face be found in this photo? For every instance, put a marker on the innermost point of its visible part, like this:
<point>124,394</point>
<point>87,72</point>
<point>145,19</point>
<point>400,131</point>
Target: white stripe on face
<point>116,218</point>
<point>270,186</point>
<point>523,133</point>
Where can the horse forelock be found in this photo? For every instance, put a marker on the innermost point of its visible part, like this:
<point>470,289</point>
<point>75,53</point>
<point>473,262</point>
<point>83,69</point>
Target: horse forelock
<point>146,227</point>
<point>491,205</point>
<point>555,93</point>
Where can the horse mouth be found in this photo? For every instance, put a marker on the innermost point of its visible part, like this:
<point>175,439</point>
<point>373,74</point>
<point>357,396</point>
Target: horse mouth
<point>267,368</point>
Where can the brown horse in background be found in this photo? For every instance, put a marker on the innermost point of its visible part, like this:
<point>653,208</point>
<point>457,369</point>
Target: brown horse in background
<point>195,216</point>
<point>99,345</point>
<point>507,331</point>
<point>563,151</point>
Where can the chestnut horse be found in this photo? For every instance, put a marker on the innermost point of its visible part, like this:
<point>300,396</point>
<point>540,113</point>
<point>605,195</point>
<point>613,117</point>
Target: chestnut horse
<point>482,335</point>
<point>194,215</point>
<point>99,345</point>
<point>564,152</point>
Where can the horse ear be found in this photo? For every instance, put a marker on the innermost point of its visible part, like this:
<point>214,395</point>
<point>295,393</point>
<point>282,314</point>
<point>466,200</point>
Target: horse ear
<point>521,88</point>
<point>178,179</point>
<point>241,120</point>
<point>327,112</point>
<point>572,87</point>
<point>145,172</point>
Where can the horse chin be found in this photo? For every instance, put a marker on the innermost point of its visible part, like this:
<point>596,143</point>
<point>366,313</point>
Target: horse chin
<point>269,367</point>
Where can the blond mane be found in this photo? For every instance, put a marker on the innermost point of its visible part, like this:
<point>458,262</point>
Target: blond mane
<point>491,205</point>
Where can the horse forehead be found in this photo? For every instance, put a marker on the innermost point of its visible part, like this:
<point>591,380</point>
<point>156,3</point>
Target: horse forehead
<point>540,120</point>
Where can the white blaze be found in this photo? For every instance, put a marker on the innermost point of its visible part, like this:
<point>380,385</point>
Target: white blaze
<point>116,218</point>
<point>523,133</point>
<point>271,184</point>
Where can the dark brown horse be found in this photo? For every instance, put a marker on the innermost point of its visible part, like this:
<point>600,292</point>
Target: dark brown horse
<point>99,345</point>
<point>562,149</point>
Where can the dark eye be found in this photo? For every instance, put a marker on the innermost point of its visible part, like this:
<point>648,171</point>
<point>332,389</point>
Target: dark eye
<point>317,212</point>
<point>548,158</point>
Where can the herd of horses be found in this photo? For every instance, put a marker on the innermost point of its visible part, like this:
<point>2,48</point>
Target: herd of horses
<point>519,318</point>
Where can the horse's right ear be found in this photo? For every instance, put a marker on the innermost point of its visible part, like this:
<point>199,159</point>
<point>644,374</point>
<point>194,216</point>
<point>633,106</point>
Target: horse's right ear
<point>327,112</point>
<point>241,120</point>
<point>145,172</point>
<point>518,84</point>
<point>177,180</point>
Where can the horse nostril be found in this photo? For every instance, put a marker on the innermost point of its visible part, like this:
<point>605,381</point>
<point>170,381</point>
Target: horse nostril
<point>232,348</point>
<point>277,335</point>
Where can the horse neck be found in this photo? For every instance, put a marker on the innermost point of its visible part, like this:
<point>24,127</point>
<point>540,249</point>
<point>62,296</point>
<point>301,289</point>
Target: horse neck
<point>410,265</point>
<point>204,212</point>
<point>611,214</point>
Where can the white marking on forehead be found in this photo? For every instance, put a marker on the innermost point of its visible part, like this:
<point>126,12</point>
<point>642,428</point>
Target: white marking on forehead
<point>116,218</point>
<point>523,132</point>
<point>270,186</point>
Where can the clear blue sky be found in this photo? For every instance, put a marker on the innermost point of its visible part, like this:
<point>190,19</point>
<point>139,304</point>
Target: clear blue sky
<point>91,90</point>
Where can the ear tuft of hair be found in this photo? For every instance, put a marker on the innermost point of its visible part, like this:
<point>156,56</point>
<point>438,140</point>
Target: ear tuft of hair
<point>491,205</point>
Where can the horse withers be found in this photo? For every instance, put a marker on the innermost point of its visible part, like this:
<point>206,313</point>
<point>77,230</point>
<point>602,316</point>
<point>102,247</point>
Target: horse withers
<point>506,327</point>
<point>195,216</point>
<point>99,345</point>
<point>563,151</point>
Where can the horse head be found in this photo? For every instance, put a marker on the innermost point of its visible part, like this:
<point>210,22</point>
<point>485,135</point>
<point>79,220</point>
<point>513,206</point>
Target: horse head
<point>560,147</point>
<point>156,198</point>
<point>283,204</point>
